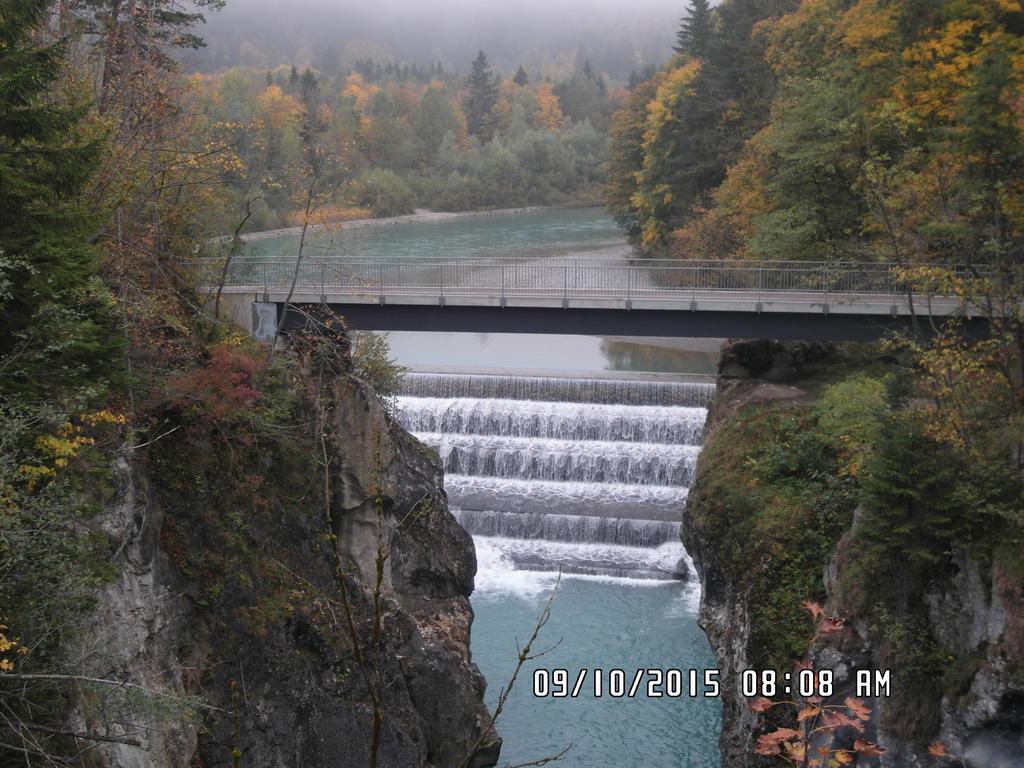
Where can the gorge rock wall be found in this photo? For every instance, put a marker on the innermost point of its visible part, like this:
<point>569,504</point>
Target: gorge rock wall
<point>975,610</point>
<point>289,601</point>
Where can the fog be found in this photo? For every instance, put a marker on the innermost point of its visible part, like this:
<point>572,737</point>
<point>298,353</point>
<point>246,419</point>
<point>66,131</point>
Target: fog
<point>551,38</point>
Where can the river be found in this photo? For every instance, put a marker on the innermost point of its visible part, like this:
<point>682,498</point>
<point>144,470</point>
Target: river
<point>571,455</point>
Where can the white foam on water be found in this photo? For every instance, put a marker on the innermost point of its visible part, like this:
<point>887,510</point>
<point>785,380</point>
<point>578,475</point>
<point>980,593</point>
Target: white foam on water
<point>497,575</point>
<point>562,421</point>
<point>595,461</point>
<point>624,500</point>
<point>529,566</point>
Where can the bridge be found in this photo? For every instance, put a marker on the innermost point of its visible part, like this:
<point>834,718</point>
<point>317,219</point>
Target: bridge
<point>848,301</point>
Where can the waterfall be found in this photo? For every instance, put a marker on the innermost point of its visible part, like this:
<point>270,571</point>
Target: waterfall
<point>587,476</point>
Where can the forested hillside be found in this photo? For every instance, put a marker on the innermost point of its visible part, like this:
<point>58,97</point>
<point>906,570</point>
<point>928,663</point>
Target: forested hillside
<point>391,138</point>
<point>190,523</point>
<point>884,131</point>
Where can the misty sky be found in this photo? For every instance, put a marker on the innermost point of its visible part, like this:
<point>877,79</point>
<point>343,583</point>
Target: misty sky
<point>615,36</point>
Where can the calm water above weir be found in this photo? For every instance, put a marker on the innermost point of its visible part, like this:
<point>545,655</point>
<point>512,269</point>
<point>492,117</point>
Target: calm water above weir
<point>575,233</point>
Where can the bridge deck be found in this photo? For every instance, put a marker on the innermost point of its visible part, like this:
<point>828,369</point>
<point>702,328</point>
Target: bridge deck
<point>604,296</point>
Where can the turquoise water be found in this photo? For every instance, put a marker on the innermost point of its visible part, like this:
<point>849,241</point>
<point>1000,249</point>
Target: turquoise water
<point>603,623</point>
<point>535,234</point>
<point>589,482</point>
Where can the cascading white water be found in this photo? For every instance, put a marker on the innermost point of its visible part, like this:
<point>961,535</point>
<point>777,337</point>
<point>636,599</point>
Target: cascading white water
<point>557,421</point>
<point>583,476</point>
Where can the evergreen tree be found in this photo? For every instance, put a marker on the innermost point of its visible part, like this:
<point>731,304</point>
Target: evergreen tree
<point>56,329</point>
<point>521,78</point>
<point>694,30</point>
<point>309,88</point>
<point>482,87</point>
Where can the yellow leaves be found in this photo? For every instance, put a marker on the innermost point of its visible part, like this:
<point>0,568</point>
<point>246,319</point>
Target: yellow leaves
<point>8,644</point>
<point>277,109</point>
<point>57,450</point>
<point>356,88</point>
<point>671,91</point>
<point>104,417</point>
<point>868,31</point>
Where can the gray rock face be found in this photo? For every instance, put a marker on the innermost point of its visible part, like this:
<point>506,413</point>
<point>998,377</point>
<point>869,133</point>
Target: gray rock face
<point>974,612</point>
<point>291,656</point>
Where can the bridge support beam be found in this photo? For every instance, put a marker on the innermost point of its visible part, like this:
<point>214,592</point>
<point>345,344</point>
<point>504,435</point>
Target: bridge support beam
<point>615,322</point>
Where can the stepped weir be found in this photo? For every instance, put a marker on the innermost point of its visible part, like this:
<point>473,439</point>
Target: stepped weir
<point>588,476</point>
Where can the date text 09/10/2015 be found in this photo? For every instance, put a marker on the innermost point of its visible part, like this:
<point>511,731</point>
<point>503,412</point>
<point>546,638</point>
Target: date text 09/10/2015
<point>617,683</point>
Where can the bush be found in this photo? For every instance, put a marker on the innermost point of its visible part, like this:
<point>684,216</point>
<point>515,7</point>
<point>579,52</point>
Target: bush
<point>372,362</point>
<point>385,193</point>
<point>849,418</point>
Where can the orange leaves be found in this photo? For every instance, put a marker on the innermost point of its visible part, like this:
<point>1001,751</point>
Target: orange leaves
<point>815,609</point>
<point>807,713</point>
<point>831,626</point>
<point>761,704</point>
<point>772,743</point>
<point>826,625</point>
<point>549,111</point>
<point>868,748</point>
<point>938,749</point>
<point>834,720</point>
<point>792,744</point>
<point>859,709</point>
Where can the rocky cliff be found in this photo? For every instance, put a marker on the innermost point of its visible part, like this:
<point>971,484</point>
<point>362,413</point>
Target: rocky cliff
<point>292,591</point>
<point>769,526</point>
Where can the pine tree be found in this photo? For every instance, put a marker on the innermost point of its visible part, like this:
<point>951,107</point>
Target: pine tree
<point>482,94</point>
<point>56,333</point>
<point>521,78</point>
<point>694,30</point>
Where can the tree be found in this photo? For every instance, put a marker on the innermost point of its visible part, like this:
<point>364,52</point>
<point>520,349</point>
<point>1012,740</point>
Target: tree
<point>56,328</point>
<point>134,36</point>
<point>521,78</point>
<point>694,33</point>
<point>482,94</point>
<point>626,156</point>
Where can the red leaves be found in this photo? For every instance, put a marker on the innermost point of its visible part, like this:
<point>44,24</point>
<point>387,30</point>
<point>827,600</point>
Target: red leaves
<point>825,625</point>
<point>831,626</point>
<point>221,389</point>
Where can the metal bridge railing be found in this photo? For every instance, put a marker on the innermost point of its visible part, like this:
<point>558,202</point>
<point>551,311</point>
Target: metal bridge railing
<point>565,278</point>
